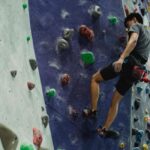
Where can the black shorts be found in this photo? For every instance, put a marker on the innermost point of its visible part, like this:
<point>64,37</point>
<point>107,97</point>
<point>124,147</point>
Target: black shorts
<point>126,79</point>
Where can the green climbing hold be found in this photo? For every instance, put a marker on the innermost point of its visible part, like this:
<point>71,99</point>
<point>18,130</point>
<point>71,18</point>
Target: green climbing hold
<point>113,20</point>
<point>26,147</point>
<point>28,38</point>
<point>87,57</point>
<point>24,6</point>
<point>51,92</point>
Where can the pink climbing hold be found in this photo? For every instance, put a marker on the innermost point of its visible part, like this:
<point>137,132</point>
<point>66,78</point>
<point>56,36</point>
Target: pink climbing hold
<point>135,10</point>
<point>65,79</point>
<point>37,137</point>
<point>126,10</point>
<point>30,85</point>
<point>86,32</point>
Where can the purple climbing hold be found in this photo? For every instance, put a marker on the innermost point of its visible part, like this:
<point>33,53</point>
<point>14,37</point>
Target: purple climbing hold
<point>122,39</point>
<point>148,124</point>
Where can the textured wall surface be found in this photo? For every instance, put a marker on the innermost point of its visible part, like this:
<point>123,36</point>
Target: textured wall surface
<point>20,109</point>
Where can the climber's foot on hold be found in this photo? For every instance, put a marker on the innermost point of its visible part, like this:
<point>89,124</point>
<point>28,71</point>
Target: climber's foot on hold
<point>89,113</point>
<point>108,133</point>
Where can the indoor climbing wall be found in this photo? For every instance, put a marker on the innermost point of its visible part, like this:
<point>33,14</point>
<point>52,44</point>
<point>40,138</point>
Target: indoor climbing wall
<point>23,115</point>
<point>67,57</point>
<point>140,121</point>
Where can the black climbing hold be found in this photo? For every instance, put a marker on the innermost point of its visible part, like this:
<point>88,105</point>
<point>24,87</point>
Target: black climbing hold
<point>134,131</point>
<point>136,144</point>
<point>137,103</point>
<point>42,108</point>
<point>45,120</point>
<point>148,124</point>
<point>135,119</point>
<point>33,64</point>
<point>148,133</point>
<point>13,73</point>
<point>143,11</point>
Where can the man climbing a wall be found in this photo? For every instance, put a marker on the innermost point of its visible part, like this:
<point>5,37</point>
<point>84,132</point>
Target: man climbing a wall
<point>135,53</point>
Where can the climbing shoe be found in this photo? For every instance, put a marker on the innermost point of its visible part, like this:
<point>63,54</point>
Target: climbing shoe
<point>88,113</point>
<point>108,133</point>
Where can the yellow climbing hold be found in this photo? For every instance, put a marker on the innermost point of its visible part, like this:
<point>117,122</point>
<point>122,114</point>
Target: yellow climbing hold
<point>146,118</point>
<point>148,8</point>
<point>122,145</point>
<point>145,147</point>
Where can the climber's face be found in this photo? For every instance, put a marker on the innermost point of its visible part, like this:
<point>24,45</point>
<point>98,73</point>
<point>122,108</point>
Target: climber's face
<point>131,22</point>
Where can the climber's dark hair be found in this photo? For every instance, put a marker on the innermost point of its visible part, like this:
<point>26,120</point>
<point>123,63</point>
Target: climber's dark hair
<point>131,16</point>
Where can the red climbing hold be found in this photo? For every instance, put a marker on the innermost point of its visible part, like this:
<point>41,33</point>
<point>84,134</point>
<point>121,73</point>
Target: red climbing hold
<point>140,74</point>
<point>65,79</point>
<point>30,85</point>
<point>37,137</point>
<point>86,32</point>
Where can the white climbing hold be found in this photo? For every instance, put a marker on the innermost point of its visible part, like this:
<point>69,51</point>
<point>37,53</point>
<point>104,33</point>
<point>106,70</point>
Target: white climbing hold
<point>68,33</point>
<point>95,11</point>
<point>62,44</point>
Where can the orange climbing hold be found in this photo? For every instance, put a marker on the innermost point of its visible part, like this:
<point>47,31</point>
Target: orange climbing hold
<point>86,32</point>
<point>30,85</point>
<point>37,137</point>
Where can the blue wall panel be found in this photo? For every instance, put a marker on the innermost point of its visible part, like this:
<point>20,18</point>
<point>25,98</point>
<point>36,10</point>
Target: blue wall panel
<point>47,23</point>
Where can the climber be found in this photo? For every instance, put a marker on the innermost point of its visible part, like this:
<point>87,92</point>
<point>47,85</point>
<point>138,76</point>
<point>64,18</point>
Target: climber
<point>135,53</point>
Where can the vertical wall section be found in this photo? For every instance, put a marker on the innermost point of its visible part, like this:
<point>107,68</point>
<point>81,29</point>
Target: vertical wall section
<point>48,20</point>
<point>20,108</point>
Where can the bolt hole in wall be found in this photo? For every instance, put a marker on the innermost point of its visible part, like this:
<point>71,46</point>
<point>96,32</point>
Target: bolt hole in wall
<point>72,39</point>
